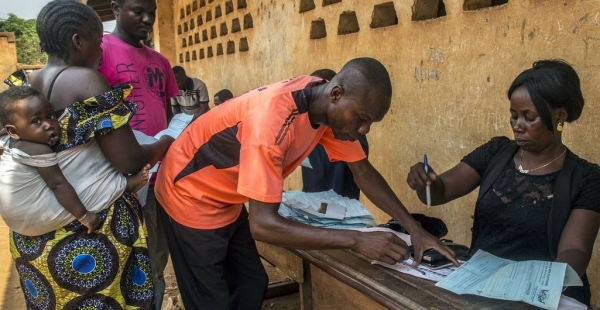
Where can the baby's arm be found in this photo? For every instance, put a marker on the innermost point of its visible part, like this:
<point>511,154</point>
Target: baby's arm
<point>136,181</point>
<point>62,189</point>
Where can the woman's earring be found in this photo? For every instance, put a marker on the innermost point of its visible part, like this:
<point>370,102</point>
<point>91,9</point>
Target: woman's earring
<point>560,127</point>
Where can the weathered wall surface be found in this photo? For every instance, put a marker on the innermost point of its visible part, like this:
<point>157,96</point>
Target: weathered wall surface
<point>163,32</point>
<point>450,74</point>
<point>8,55</point>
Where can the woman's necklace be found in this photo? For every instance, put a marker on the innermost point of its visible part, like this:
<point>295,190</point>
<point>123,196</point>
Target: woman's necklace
<point>540,167</point>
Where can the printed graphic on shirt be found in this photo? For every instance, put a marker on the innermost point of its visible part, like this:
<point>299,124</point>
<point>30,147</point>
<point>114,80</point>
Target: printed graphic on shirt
<point>150,81</point>
<point>222,151</point>
<point>155,81</point>
<point>286,126</point>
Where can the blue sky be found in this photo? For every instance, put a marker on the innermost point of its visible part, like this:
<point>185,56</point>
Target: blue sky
<point>29,9</point>
<point>26,9</point>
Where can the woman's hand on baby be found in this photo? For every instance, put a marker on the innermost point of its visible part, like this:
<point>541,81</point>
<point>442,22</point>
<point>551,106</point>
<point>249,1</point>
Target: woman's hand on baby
<point>91,221</point>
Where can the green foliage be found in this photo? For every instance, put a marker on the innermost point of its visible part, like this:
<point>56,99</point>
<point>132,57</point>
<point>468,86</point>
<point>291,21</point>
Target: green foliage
<point>28,44</point>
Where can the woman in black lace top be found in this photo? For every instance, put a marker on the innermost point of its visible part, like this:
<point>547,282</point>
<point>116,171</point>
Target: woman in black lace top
<point>537,200</point>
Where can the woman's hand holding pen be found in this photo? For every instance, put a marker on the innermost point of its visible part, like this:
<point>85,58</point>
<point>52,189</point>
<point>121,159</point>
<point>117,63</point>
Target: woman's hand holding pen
<point>421,178</point>
<point>418,179</point>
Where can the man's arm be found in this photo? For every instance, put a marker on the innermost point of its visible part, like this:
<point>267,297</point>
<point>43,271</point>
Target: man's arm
<point>201,100</point>
<point>201,110</point>
<point>270,227</point>
<point>374,186</point>
<point>175,107</point>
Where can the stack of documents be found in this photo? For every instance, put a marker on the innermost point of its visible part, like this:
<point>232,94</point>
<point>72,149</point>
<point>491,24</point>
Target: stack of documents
<point>538,283</point>
<point>339,212</point>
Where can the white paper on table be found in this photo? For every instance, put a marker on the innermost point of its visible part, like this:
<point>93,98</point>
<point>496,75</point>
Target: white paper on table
<point>538,283</point>
<point>335,211</point>
<point>420,271</point>
<point>308,204</point>
<point>355,208</point>
<point>405,267</point>
<point>342,212</point>
<point>404,237</point>
<point>341,207</point>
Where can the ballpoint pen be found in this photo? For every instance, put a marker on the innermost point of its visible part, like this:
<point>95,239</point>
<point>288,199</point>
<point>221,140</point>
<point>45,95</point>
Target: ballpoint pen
<point>427,188</point>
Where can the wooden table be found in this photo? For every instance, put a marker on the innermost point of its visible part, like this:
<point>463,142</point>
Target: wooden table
<point>341,279</point>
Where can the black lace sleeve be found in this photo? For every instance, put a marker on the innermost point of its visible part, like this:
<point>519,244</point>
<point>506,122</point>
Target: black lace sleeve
<point>589,187</point>
<point>480,158</point>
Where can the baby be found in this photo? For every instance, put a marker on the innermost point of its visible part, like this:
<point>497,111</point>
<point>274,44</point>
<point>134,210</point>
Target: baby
<point>31,123</point>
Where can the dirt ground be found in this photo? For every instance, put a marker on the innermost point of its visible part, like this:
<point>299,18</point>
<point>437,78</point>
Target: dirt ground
<point>172,300</point>
<point>11,296</point>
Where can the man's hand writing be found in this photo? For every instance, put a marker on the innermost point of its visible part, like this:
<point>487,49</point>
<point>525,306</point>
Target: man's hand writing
<point>382,246</point>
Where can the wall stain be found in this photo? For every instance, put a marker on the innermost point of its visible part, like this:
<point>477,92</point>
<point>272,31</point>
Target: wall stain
<point>523,32</point>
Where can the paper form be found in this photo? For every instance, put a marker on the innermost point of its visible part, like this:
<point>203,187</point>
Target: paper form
<point>538,283</point>
<point>176,125</point>
<point>420,272</point>
<point>483,265</point>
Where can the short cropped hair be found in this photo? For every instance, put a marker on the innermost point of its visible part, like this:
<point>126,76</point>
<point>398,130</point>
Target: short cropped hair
<point>224,94</point>
<point>374,74</point>
<point>178,69</point>
<point>9,99</point>
<point>552,84</point>
<point>59,20</point>
<point>326,74</point>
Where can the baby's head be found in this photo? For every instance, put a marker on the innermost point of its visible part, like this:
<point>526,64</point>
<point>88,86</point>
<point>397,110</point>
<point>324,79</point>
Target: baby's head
<point>27,115</point>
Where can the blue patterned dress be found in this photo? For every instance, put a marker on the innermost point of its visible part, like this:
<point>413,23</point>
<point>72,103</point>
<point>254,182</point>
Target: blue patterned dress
<point>70,269</point>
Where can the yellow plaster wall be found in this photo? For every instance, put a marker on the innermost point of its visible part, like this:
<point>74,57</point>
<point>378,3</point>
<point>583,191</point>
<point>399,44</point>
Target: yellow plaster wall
<point>449,74</point>
<point>8,56</point>
<point>163,32</point>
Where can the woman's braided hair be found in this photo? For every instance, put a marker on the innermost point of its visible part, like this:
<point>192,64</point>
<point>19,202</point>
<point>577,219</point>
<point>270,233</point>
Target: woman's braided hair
<point>59,20</point>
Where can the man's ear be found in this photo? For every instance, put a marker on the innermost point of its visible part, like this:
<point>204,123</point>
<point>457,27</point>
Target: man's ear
<point>336,92</point>
<point>12,131</point>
